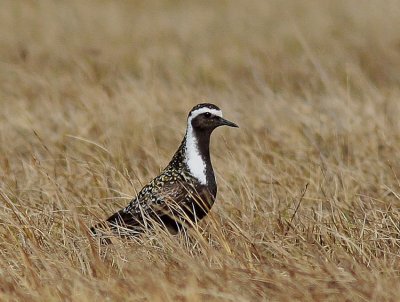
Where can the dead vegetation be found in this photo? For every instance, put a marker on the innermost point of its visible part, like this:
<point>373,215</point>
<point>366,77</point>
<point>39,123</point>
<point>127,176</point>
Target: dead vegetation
<point>94,96</point>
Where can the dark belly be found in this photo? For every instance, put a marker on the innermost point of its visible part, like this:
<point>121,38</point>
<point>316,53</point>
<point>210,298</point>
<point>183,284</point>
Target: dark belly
<point>192,211</point>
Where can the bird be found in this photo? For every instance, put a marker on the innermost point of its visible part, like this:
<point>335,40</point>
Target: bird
<point>185,190</point>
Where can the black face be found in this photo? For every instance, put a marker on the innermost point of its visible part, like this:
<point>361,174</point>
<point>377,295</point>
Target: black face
<point>208,122</point>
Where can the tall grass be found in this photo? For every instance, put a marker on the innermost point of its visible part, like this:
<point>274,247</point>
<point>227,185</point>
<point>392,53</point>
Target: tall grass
<point>94,97</point>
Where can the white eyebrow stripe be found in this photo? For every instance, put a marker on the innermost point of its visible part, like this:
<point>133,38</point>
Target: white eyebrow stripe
<point>197,112</point>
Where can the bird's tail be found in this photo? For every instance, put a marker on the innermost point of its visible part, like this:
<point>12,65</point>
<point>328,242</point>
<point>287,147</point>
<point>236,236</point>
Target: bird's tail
<point>93,230</point>
<point>121,223</point>
<point>100,231</point>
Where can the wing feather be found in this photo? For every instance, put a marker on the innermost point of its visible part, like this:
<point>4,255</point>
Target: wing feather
<point>152,203</point>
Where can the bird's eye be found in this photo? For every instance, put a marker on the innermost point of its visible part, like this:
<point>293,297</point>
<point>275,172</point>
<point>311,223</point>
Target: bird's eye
<point>207,114</point>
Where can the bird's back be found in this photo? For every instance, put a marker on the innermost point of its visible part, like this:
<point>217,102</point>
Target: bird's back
<point>172,199</point>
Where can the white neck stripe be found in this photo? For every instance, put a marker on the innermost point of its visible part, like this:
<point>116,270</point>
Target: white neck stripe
<point>193,159</point>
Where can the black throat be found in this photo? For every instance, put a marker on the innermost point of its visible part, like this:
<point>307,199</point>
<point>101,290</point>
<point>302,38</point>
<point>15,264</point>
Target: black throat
<point>203,145</point>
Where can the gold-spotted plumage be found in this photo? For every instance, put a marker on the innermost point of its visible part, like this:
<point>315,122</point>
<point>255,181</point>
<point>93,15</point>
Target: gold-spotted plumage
<point>185,190</point>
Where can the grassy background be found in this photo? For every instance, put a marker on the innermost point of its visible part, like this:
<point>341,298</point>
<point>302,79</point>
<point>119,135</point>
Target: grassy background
<point>94,97</point>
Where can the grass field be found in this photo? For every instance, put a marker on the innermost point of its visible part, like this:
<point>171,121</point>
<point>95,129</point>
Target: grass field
<point>93,103</point>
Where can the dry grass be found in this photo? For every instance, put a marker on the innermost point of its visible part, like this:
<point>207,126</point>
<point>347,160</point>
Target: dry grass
<point>94,96</point>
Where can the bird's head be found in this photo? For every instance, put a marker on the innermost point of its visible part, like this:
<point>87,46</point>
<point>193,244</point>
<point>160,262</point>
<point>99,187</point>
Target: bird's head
<point>207,117</point>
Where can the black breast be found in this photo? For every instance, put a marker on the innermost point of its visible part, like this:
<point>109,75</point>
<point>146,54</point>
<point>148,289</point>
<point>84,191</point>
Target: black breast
<point>195,207</point>
<point>200,203</point>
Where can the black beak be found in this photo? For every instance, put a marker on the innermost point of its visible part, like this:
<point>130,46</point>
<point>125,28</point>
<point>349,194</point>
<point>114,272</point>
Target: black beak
<point>224,122</point>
